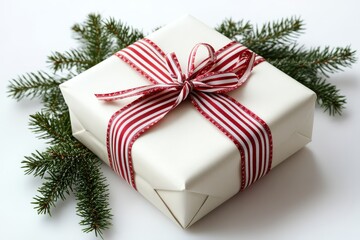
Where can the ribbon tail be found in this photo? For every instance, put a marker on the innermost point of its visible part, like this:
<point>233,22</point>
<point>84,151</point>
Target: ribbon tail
<point>248,132</point>
<point>138,91</point>
<point>129,123</point>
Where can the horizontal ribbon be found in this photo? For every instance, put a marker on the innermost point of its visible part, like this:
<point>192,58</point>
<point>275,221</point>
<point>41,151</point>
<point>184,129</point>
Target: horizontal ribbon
<point>205,82</point>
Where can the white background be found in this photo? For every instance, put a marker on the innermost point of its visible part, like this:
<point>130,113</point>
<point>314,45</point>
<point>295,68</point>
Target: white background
<point>313,195</point>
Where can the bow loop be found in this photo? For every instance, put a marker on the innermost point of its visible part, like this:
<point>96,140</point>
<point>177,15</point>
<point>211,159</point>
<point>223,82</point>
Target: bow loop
<point>174,68</point>
<point>216,82</point>
<point>246,58</point>
<point>203,66</point>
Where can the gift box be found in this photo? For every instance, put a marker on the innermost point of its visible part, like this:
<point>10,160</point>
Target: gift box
<point>184,164</point>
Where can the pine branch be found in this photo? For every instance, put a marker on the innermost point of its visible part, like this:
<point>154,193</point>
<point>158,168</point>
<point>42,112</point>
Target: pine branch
<point>324,60</point>
<point>279,52</point>
<point>40,163</point>
<point>50,192</point>
<point>328,96</point>
<point>51,127</point>
<point>54,103</point>
<point>32,85</point>
<point>235,30</point>
<point>96,46</point>
<point>330,60</point>
<point>58,183</point>
<point>94,211</point>
<point>123,34</point>
<point>37,164</point>
<point>276,42</point>
<point>66,163</point>
<point>96,41</point>
<point>274,33</point>
<point>73,59</point>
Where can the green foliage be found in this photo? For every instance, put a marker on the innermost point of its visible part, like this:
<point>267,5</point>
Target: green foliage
<point>51,126</point>
<point>33,85</point>
<point>276,42</point>
<point>122,34</point>
<point>270,34</point>
<point>66,166</point>
<point>90,191</point>
<point>99,40</point>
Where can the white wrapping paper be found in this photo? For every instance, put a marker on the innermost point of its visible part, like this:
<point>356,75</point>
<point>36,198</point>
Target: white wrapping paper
<point>185,166</point>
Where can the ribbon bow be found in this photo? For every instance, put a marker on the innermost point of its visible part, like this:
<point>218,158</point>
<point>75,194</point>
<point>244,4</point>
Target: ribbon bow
<point>205,82</point>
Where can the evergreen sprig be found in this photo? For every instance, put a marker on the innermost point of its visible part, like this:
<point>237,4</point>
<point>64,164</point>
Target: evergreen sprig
<point>34,84</point>
<point>66,166</point>
<point>51,126</point>
<point>277,43</point>
<point>122,34</point>
<point>90,190</point>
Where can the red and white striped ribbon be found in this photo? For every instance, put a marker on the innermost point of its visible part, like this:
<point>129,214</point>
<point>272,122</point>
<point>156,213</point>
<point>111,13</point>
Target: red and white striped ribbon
<point>205,83</point>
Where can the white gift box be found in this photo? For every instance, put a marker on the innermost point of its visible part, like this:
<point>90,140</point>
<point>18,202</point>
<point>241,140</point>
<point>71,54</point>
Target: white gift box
<point>186,185</point>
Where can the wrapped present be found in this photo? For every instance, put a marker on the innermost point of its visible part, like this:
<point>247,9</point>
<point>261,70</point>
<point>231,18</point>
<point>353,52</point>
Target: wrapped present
<point>190,118</point>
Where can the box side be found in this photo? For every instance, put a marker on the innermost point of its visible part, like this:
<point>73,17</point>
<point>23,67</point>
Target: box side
<point>291,123</point>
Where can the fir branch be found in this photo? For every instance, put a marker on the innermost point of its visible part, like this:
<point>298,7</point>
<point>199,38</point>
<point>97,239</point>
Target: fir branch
<point>54,103</point>
<point>51,127</point>
<point>281,32</point>
<point>328,96</point>
<point>329,60</point>
<point>280,52</point>
<point>276,42</point>
<point>37,164</point>
<point>73,59</point>
<point>32,85</point>
<point>123,34</point>
<point>57,185</point>
<point>50,192</point>
<point>96,42</point>
<point>94,211</point>
<point>235,30</point>
<point>323,60</point>
<point>40,163</point>
<point>96,46</point>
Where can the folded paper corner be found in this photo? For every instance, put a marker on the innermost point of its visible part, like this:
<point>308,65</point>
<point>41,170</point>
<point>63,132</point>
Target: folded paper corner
<point>184,205</point>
